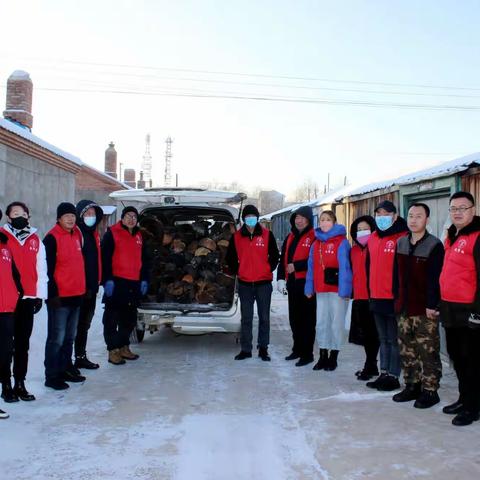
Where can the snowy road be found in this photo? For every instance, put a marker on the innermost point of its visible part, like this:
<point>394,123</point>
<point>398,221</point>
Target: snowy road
<point>186,410</point>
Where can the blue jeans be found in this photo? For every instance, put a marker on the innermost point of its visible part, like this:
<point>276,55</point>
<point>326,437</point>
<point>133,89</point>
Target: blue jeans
<point>62,329</point>
<point>388,336</point>
<point>248,294</point>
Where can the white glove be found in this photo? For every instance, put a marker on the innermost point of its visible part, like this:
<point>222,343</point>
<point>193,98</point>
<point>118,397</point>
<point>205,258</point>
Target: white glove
<point>281,287</point>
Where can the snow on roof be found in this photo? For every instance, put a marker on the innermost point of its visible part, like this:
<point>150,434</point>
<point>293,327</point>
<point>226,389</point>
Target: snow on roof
<point>103,174</point>
<point>440,170</point>
<point>19,75</point>
<point>27,135</point>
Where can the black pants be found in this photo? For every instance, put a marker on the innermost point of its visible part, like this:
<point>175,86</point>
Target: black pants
<point>87,311</point>
<point>463,346</point>
<point>303,318</point>
<point>21,337</point>
<point>118,323</point>
<point>363,331</point>
<point>7,322</point>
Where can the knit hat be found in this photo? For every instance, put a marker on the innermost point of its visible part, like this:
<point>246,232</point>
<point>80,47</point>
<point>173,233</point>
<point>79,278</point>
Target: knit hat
<point>387,205</point>
<point>64,208</point>
<point>129,209</point>
<point>250,210</point>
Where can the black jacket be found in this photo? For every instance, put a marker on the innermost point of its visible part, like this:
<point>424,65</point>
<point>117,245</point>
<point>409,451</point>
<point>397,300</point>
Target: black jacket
<point>456,314</point>
<point>232,256</point>
<point>300,265</point>
<point>89,247</point>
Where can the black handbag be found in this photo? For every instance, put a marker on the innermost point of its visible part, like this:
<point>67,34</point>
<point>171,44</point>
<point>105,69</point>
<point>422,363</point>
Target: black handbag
<point>330,276</point>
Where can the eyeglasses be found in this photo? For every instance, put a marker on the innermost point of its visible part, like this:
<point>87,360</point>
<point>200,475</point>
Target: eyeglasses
<point>459,209</point>
<point>131,216</point>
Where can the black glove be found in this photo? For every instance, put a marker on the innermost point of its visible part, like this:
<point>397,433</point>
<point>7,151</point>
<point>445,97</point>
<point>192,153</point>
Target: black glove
<point>37,305</point>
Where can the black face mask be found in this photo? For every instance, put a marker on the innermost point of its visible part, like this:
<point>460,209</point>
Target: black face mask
<point>19,223</point>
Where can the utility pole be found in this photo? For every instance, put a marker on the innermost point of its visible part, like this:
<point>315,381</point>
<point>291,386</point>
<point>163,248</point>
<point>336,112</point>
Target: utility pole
<point>168,162</point>
<point>147,162</point>
<point>328,182</point>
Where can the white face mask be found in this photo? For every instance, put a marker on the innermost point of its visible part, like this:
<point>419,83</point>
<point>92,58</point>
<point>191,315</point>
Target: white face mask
<point>363,233</point>
<point>89,221</point>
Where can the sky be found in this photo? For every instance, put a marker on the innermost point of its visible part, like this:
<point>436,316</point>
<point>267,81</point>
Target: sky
<point>266,93</point>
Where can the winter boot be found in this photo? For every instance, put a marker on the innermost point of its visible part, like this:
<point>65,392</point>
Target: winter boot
<point>243,355</point>
<point>263,354</point>
<point>115,357</point>
<point>3,414</point>
<point>21,392</point>
<point>465,417</point>
<point>454,408</point>
<point>332,361</point>
<point>367,372</point>
<point>389,383</point>
<point>71,376</point>
<point>411,392</point>
<point>8,395</point>
<point>127,354</point>
<point>379,380</point>
<point>292,356</point>
<point>323,360</point>
<point>56,384</point>
<point>427,399</point>
<point>83,362</point>
<point>304,361</point>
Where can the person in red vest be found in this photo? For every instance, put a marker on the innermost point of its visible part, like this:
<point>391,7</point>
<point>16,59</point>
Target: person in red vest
<point>66,288</point>
<point>89,215</point>
<point>460,305</point>
<point>383,287</point>
<point>29,255</point>
<point>291,273</point>
<point>329,278</point>
<point>362,328</point>
<point>125,282</point>
<point>253,255</point>
<point>10,292</point>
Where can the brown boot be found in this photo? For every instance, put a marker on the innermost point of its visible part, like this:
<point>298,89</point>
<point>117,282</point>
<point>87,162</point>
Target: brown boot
<point>127,354</point>
<point>115,357</point>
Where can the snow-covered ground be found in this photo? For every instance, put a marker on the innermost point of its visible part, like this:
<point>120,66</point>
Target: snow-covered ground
<point>186,410</point>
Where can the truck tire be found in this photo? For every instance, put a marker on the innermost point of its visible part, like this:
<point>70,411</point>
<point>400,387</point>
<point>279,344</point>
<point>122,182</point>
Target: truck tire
<point>137,335</point>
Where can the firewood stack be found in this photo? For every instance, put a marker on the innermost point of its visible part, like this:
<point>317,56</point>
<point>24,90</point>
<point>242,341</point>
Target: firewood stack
<point>188,262</point>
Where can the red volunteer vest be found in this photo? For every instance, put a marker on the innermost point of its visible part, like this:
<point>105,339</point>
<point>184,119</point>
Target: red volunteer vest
<point>8,289</point>
<point>69,268</point>
<point>127,253</point>
<point>25,258</point>
<point>325,255</point>
<point>358,257</point>
<point>382,256</point>
<point>253,257</point>
<point>99,255</point>
<point>458,280</point>
<point>301,252</point>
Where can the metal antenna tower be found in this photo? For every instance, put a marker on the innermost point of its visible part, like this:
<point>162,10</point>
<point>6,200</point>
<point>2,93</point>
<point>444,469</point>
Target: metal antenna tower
<point>168,162</point>
<point>147,162</point>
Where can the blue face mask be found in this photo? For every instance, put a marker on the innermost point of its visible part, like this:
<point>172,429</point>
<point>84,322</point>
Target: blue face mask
<point>384,222</point>
<point>251,221</point>
<point>89,221</point>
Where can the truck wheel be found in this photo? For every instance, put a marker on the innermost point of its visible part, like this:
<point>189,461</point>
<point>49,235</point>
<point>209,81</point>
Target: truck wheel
<point>137,335</point>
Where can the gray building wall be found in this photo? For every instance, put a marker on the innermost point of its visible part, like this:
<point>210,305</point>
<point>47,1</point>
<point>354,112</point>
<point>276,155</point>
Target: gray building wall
<point>38,184</point>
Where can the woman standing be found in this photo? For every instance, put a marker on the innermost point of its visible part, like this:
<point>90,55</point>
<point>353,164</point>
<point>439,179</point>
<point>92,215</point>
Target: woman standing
<point>329,276</point>
<point>363,320</point>
<point>29,256</point>
<point>292,271</point>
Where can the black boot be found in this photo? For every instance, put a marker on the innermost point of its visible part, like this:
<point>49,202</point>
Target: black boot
<point>411,392</point>
<point>21,392</point>
<point>322,361</point>
<point>368,372</point>
<point>304,361</point>
<point>378,381</point>
<point>8,395</point>
<point>292,356</point>
<point>465,417</point>
<point>243,355</point>
<point>454,408</point>
<point>263,354</point>
<point>83,362</point>
<point>332,361</point>
<point>3,414</point>
<point>388,384</point>
<point>71,376</point>
<point>427,399</point>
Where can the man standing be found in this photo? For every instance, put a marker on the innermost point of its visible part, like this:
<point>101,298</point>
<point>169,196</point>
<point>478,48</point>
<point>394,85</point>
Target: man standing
<point>125,281</point>
<point>419,260</point>
<point>66,288</point>
<point>29,256</point>
<point>460,306</point>
<point>382,288</point>
<point>89,215</point>
<point>253,256</point>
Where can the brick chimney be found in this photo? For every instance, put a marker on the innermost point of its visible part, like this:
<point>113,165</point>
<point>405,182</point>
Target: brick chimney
<point>111,160</point>
<point>19,99</point>
<point>129,177</point>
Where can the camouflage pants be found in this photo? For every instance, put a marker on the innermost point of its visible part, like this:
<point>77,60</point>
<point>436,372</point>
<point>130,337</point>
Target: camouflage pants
<point>419,342</point>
